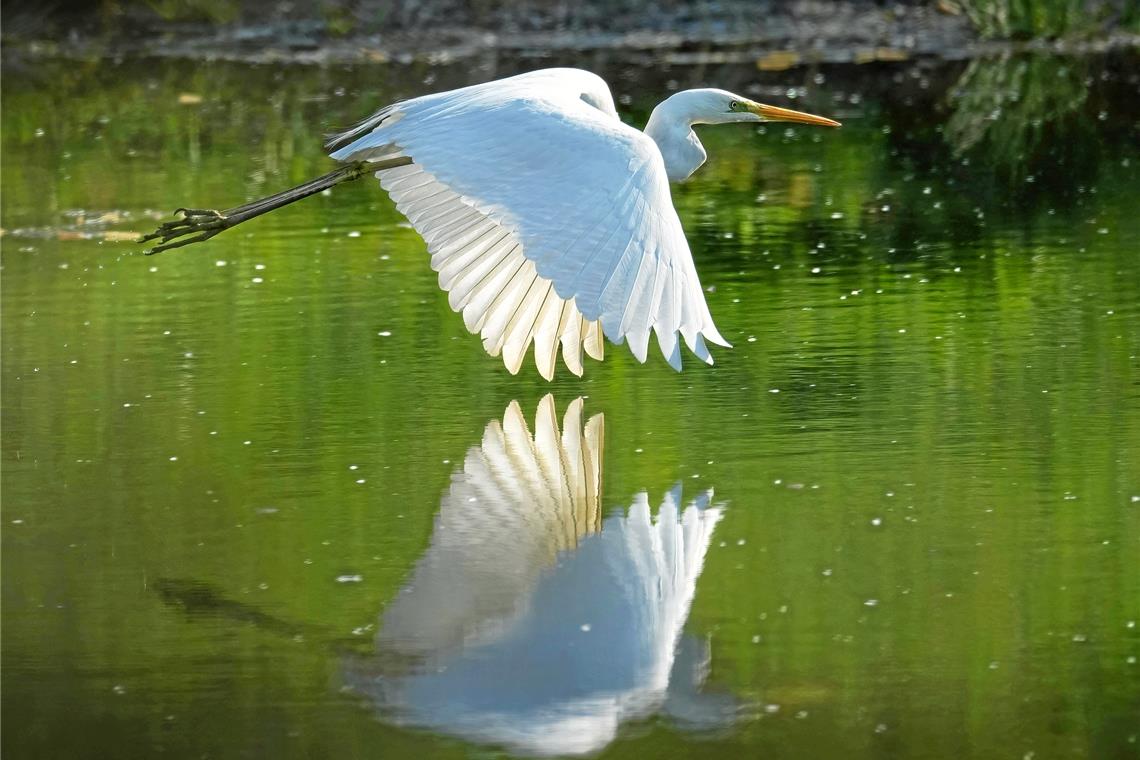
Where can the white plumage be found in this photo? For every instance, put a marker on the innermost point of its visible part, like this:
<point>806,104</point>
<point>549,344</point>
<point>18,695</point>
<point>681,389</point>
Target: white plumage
<point>548,220</point>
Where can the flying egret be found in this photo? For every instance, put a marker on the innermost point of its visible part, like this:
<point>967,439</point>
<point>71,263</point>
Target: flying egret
<point>548,219</point>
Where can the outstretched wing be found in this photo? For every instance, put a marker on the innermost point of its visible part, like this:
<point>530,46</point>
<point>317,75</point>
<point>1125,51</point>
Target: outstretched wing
<point>548,219</point>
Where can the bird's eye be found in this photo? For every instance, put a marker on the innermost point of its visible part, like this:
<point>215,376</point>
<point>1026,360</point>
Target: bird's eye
<point>732,106</point>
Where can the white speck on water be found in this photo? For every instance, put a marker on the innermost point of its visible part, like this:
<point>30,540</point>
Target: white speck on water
<point>772,709</point>
<point>1079,638</point>
<point>756,639</point>
<point>174,459</point>
<point>876,521</point>
<point>259,267</point>
<point>778,481</point>
<point>354,234</point>
<point>882,727</point>
<point>360,481</point>
<point>257,280</point>
<point>385,333</point>
<point>17,522</point>
<point>871,603</point>
<point>802,714</point>
<point>638,451</point>
<point>751,338</point>
<point>585,627</point>
<point>827,572</point>
<point>773,390</point>
<point>349,578</point>
<point>994,665</point>
<point>246,443</point>
<point>352,467</point>
<point>119,689</point>
<point>741,542</point>
<point>815,270</point>
<point>153,269</point>
<point>220,263</point>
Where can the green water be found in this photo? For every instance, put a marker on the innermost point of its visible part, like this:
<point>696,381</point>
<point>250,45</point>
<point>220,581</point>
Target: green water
<point>222,465</point>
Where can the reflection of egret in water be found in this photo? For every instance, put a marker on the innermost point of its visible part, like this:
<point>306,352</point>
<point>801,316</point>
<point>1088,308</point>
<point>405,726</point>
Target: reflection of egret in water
<point>534,623</point>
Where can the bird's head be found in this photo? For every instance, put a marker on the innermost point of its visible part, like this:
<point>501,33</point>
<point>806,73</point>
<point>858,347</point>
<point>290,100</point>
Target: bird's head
<point>712,106</point>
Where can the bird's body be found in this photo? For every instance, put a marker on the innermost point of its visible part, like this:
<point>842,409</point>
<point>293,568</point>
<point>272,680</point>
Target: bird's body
<point>548,219</point>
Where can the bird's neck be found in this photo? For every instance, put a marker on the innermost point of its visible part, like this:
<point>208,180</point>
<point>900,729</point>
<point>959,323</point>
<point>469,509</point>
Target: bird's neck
<point>671,127</point>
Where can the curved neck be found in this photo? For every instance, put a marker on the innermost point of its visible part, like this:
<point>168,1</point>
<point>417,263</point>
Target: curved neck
<point>671,127</point>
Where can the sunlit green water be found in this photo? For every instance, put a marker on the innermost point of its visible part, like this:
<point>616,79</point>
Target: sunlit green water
<point>926,440</point>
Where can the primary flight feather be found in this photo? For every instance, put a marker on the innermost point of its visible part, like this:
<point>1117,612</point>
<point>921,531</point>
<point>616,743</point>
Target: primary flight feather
<point>548,220</point>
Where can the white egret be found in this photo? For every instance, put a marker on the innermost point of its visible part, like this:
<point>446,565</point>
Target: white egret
<point>548,219</point>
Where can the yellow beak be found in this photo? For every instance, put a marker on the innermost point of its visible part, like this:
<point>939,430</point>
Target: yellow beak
<point>775,113</point>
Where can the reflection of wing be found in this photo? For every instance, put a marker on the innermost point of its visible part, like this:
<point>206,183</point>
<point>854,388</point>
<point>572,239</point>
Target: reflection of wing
<point>517,503</point>
<point>535,629</point>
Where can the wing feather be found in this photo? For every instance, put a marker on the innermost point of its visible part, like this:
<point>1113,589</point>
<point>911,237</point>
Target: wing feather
<point>548,220</point>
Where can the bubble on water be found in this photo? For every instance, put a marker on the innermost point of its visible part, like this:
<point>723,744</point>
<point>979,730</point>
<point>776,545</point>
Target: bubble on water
<point>385,333</point>
<point>756,639</point>
<point>1080,638</point>
<point>772,709</point>
<point>354,234</point>
<point>257,280</point>
<point>220,263</point>
<point>352,467</point>
<point>876,521</point>
<point>360,481</point>
<point>584,628</point>
<point>349,578</point>
<point>871,603</point>
<point>174,459</point>
<point>119,689</point>
<point>881,728</point>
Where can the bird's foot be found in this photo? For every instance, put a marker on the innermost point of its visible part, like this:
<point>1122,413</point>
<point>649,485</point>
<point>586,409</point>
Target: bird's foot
<point>193,226</point>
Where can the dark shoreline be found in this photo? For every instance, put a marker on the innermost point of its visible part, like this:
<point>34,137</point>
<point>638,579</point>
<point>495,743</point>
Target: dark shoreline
<point>773,36</point>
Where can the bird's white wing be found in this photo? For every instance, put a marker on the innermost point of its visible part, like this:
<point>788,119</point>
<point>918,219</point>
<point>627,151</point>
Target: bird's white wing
<point>548,220</point>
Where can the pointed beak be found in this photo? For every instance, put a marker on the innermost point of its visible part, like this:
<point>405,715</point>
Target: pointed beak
<point>775,113</point>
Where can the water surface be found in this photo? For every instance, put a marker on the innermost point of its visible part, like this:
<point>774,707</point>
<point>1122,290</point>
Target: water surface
<point>236,477</point>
